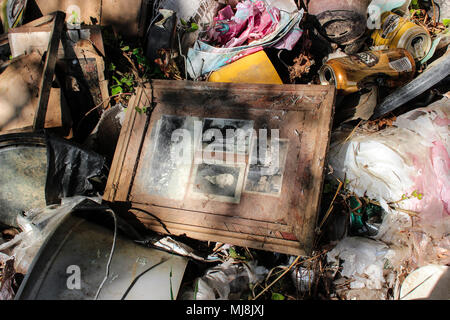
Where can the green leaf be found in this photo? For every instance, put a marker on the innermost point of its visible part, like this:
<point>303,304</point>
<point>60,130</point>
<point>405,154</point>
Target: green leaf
<point>446,22</point>
<point>115,90</point>
<point>126,48</point>
<point>277,296</point>
<point>234,254</point>
<point>415,4</point>
<point>194,27</point>
<point>184,23</point>
<point>136,51</point>
<point>196,290</point>
<point>117,80</point>
<point>128,81</point>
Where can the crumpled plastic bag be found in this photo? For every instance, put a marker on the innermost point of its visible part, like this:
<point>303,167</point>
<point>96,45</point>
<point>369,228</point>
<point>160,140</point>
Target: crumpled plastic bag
<point>389,5</point>
<point>228,278</point>
<point>407,164</point>
<point>236,35</point>
<point>407,167</point>
<point>364,261</point>
<point>37,225</point>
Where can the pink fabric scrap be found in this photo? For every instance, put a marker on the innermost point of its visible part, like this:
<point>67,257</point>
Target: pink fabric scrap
<point>252,21</point>
<point>290,40</point>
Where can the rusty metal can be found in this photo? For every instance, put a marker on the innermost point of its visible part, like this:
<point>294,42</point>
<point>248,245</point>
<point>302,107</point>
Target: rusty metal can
<point>352,73</point>
<point>398,32</point>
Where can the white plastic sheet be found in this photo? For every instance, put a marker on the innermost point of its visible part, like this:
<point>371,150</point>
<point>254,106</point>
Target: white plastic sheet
<point>364,261</point>
<point>406,168</point>
<point>37,225</point>
<point>409,161</point>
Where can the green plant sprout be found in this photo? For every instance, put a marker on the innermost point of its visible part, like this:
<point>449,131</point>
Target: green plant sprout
<point>189,26</point>
<point>414,194</point>
<point>235,255</point>
<point>277,296</point>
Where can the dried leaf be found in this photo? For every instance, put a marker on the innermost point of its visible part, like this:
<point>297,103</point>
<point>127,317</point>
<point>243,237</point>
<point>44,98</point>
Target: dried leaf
<point>7,281</point>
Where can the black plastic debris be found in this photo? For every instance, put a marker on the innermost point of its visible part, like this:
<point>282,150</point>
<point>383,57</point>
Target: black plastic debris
<point>71,170</point>
<point>436,73</point>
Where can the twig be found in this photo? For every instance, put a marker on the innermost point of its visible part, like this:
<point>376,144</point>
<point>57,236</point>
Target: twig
<point>410,212</point>
<point>287,270</point>
<point>355,210</point>
<point>330,209</point>
<point>249,253</point>
<point>281,276</point>
<point>133,66</point>
<point>353,131</point>
<point>271,272</point>
<point>98,106</point>
<point>434,13</point>
<point>104,101</point>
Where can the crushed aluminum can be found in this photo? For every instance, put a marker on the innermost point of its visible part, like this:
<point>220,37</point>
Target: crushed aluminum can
<point>355,72</point>
<point>398,32</point>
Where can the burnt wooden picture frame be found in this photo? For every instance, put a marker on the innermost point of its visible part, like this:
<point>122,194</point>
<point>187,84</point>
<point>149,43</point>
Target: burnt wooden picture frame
<point>213,201</point>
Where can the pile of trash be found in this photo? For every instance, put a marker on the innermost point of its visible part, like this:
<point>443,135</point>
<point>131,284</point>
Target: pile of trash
<point>404,169</point>
<point>383,229</point>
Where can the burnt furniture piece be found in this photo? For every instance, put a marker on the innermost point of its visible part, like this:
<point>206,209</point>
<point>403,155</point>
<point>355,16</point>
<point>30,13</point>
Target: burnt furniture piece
<point>235,163</point>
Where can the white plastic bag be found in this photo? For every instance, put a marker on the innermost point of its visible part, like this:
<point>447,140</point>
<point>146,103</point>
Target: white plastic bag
<point>409,161</point>
<point>364,261</point>
<point>406,167</point>
<point>37,225</point>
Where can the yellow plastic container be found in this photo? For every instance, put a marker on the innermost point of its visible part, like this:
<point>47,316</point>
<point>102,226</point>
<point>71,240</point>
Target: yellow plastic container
<point>255,68</point>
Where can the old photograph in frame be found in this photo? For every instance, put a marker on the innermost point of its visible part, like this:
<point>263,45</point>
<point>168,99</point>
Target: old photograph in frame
<point>226,136</point>
<point>169,171</point>
<point>267,166</point>
<point>278,215</point>
<point>217,181</point>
